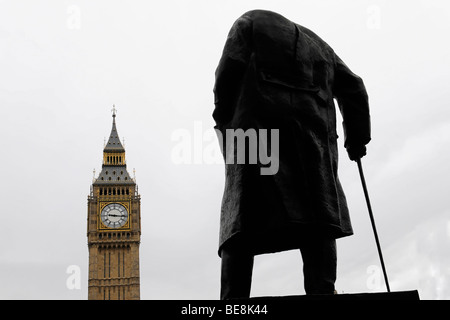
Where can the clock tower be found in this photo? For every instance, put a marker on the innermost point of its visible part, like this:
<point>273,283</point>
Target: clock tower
<point>114,227</point>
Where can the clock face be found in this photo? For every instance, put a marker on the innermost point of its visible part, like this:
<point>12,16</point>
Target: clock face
<point>114,215</point>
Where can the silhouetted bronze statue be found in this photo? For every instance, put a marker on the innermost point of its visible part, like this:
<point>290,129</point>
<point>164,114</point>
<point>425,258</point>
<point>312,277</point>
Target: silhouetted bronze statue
<point>277,75</point>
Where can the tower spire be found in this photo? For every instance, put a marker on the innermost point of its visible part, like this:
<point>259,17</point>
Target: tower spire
<point>114,151</point>
<point>114,143</point>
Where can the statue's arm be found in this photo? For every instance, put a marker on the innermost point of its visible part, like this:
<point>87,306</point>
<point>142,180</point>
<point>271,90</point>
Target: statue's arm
<point>353,101</point>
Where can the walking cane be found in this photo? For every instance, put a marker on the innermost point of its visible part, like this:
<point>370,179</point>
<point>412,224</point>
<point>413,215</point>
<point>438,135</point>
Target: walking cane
<point>361,174</point>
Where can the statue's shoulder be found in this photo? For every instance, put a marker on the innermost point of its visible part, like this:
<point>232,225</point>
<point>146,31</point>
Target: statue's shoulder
<point>317,41</point>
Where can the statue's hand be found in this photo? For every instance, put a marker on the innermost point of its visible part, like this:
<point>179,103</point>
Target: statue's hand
<point>356,152</point>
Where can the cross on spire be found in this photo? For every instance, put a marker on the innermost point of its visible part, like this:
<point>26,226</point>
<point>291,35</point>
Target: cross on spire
<point>114,110</point>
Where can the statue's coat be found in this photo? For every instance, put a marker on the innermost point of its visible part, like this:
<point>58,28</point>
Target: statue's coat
<point>275,74</point>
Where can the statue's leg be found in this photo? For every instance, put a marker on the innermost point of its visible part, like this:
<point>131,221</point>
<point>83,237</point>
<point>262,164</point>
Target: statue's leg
<point>236,277</point>
<point>319,265</point>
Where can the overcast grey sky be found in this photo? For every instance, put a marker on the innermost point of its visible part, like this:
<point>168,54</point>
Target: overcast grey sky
<point>63,64</point>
